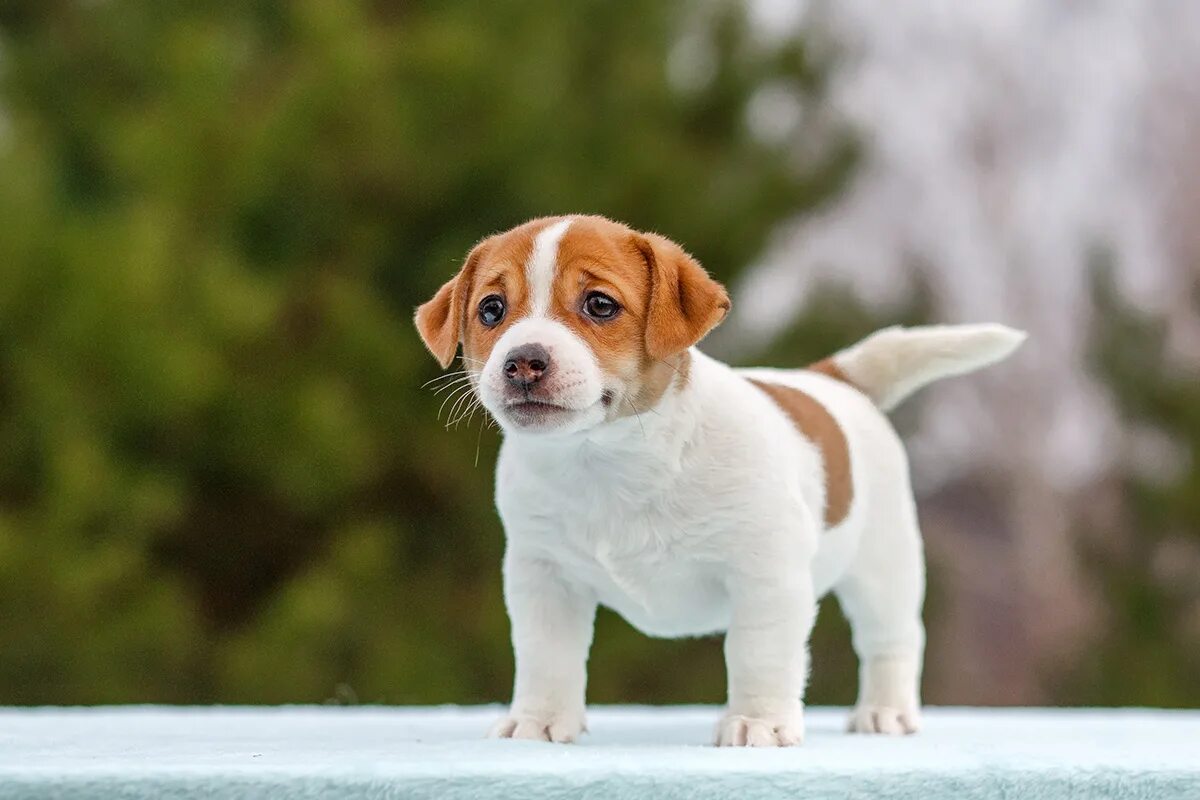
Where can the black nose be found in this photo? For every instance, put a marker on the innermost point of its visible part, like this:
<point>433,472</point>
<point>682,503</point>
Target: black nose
<point>526,365</point>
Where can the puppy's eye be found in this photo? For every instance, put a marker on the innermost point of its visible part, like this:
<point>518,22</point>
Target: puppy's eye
<point>598,305</point>
<point>491,310</point>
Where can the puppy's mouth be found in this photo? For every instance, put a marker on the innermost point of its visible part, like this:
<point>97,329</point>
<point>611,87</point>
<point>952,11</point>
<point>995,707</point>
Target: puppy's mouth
<point>528,411</point>
<point>540,414</point>
<point>535,406</point>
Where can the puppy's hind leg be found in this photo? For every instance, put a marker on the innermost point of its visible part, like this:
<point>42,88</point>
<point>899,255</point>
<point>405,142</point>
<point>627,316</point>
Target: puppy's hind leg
<point>881,594</point>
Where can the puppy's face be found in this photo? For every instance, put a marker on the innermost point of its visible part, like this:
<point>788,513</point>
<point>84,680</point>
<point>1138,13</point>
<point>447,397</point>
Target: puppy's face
<point>570,322</point>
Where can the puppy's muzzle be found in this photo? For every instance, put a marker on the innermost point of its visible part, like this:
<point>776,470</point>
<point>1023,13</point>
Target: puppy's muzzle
<point>526,365</point>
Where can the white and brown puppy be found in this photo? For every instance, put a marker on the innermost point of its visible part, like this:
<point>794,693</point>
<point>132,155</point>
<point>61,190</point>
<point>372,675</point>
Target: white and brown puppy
<point>689,496</point>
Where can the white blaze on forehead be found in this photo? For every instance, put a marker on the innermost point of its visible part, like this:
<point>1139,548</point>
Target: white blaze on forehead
<point>542,264</point>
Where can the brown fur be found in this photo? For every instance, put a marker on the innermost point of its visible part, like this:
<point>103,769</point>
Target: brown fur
<point>817,424</point>
<point>495,265</point>
<point>685,303</point>
<point>827,366</point>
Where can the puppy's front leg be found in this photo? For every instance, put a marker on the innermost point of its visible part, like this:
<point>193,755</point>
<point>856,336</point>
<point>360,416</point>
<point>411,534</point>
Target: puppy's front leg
<point>551,633</point>
<point>766,656</point>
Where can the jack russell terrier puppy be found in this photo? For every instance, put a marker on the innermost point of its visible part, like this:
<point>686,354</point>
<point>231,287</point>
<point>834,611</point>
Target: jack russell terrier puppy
<point>689,496</point>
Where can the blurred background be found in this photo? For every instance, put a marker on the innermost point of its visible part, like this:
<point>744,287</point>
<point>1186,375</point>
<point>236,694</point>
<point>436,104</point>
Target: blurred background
<point>222,481</point>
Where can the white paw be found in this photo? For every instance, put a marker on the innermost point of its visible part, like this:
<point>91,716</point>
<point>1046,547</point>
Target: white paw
<point>884,719</point>
<point>563,727</point>
<point>738,730</point>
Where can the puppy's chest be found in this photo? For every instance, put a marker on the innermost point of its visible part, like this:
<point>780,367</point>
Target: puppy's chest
<point>652,562</point>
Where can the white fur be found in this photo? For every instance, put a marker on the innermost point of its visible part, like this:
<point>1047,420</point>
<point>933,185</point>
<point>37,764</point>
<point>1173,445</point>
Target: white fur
<point>542,264</point>
<point>705,515</point>
<point>891,364</point>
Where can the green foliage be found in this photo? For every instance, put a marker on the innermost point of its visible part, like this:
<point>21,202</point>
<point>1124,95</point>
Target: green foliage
<point>1138,563</point>
<point>220,478</point>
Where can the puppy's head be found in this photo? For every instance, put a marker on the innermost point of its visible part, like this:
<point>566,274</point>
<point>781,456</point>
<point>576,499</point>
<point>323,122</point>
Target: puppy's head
<point>570,322</point>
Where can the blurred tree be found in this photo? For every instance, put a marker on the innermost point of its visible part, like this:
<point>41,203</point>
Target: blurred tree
<point>220,479</point>
<point>1143,554</point>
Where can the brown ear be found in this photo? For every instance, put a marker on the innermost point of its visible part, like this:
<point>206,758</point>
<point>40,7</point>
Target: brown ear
<point>685,303</point>
<point>440,320</point>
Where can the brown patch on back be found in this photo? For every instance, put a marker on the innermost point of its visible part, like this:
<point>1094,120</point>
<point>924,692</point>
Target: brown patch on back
<point>827,366</point>
<point>815,422</point>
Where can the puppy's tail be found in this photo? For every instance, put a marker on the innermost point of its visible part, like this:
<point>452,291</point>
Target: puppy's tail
<point>891,364</point>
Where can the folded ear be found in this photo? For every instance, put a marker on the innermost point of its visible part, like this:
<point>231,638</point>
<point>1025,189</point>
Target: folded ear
<point>685,303</point>
<point>440,320</point>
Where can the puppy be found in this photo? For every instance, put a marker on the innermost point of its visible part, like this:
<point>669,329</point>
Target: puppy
<point>690,497</point>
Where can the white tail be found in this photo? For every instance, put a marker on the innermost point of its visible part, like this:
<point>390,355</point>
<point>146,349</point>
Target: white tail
<point>891,364</point>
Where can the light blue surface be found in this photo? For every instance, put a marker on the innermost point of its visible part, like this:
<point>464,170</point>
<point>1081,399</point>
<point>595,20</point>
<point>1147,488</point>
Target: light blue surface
<point>301,752</point>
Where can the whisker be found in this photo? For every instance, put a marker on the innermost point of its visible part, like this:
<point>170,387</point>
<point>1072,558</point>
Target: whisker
<point>479,440</point>
<point>474,407</point>
<point>451,396</point>
<point>456,374</point>
<point>462,398</point>
<point>668,366</point>
<point>627,399</point>
<point>467,413</point>
<point>453,417</point>
<point>455,384</point>
<point>458,383</point>
<point>467,397</point>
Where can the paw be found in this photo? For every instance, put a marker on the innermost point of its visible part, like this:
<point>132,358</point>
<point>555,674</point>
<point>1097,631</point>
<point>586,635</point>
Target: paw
<point>563,727</point>
<point>738,730</point>
<point>884,719</point>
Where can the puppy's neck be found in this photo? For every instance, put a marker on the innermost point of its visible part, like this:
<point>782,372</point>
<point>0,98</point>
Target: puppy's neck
<point>659,379</point>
